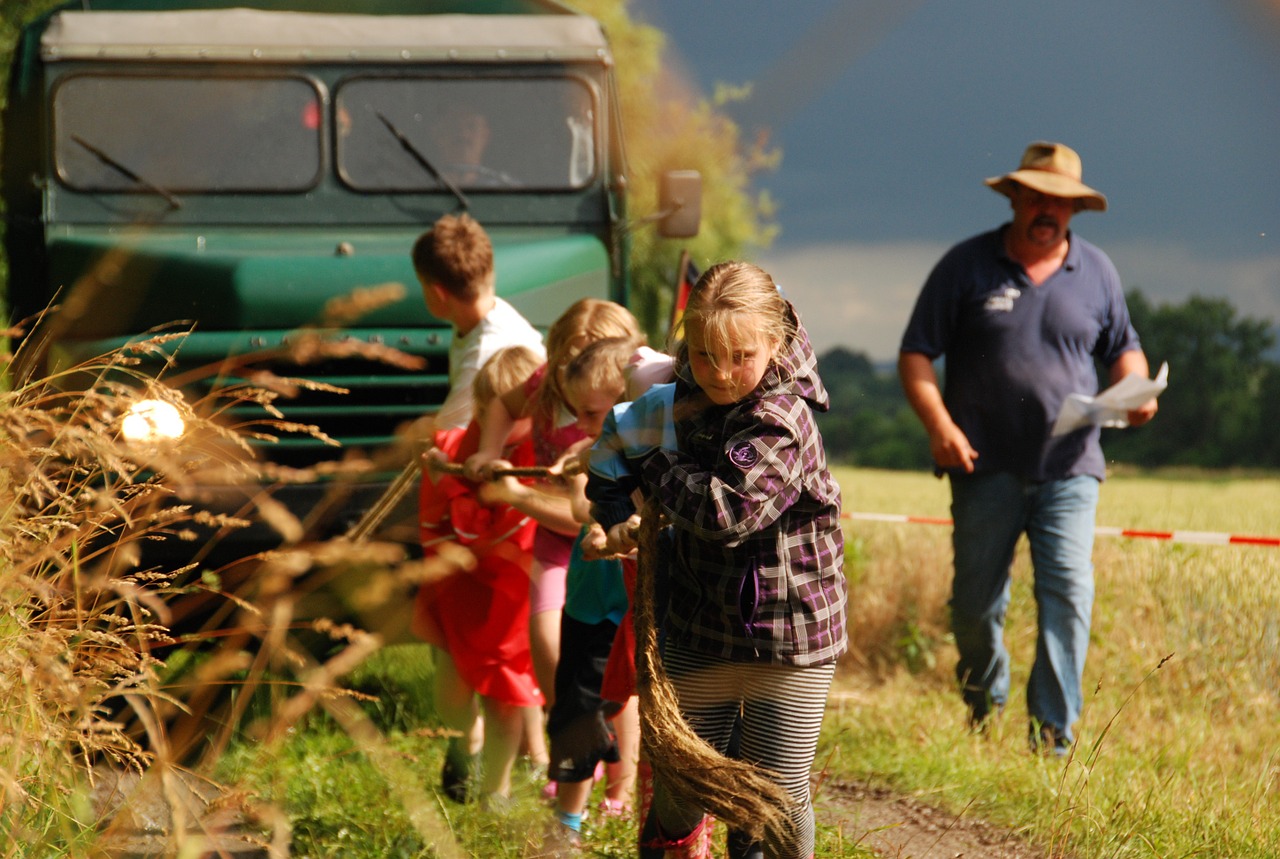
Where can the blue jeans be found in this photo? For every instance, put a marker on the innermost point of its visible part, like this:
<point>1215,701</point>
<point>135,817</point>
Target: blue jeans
<point>991,511</point>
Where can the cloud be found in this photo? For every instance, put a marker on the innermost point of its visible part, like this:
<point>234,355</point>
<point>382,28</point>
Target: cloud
<point>1170,274</point>
<point>858,295</point>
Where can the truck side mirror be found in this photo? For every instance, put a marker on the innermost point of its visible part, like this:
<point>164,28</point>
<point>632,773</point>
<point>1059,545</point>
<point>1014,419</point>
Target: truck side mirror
<point>679,204</point>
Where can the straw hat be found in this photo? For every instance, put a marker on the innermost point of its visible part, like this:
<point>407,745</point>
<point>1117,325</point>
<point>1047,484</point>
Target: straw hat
<point>1054,169</point>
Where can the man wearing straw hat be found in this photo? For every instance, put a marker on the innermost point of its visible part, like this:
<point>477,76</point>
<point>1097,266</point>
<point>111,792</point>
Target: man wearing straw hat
<point>1020,313</point>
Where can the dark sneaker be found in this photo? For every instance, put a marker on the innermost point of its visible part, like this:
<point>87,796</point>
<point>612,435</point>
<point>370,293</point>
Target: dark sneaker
<point>982,717</point>
<point>455,780</point>
<point>1048,741</point>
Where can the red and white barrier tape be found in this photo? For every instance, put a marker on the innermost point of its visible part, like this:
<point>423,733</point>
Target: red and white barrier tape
<point>1208,538</point>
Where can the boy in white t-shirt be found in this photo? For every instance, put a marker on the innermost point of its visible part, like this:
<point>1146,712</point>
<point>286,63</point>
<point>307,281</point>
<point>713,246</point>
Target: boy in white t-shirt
<point>454,263</point>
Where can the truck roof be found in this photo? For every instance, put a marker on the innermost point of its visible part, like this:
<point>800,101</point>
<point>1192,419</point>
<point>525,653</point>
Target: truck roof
<point>255,35</point>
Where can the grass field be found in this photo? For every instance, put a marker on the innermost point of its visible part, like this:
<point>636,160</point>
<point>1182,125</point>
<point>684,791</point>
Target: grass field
<point>1179,744</point>
<point>1178,752</point>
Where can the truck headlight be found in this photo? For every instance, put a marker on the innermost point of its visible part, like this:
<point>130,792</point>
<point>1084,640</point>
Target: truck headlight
<point>150,421</point>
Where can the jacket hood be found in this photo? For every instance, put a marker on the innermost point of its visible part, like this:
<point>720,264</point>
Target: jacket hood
<point>794,370</point>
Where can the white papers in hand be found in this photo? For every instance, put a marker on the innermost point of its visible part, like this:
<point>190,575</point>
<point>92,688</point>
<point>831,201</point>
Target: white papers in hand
<point>1110,408</point>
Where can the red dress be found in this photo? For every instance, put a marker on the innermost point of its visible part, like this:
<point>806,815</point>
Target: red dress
<point>480,616</point>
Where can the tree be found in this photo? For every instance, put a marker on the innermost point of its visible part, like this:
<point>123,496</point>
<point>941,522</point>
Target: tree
<point>1220,410</point>
<point>668,128</point>
<point>869,423</point>
<point>1221,385</point>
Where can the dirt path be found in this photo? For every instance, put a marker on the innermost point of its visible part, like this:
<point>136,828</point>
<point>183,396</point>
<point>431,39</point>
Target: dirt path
<point>898,827</point>
<point>894,826</point>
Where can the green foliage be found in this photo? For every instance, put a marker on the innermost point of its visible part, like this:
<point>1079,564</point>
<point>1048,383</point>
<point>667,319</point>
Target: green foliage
<point>1176,744</point>
<point>869,423</point>
<point>335,798</point>
<point>342,800</point>
<point>1220,408</point>
<point>668,127</point>
<point>398,683</point>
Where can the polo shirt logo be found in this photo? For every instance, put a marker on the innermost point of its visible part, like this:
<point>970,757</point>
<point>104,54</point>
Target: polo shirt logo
<point>1001,301</point>
<point>743,455</point>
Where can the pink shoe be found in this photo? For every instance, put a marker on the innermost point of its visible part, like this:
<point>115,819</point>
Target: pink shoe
<point>549,790</point>
<point>614,808</point>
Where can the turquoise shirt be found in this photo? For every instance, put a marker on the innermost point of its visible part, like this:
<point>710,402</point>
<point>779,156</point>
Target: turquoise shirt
<point>594,590</point>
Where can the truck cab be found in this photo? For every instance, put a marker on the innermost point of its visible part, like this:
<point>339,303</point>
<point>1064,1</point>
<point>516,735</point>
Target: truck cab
<point>236,170</point>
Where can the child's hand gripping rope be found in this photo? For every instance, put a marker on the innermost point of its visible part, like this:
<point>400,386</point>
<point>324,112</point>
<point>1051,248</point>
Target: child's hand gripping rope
<point>620,541</point>
<point>567,468</point>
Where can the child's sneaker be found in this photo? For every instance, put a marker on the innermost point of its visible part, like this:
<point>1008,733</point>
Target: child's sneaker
<point>554,841</point>
<point>455,779</point>
<point>613,808</point>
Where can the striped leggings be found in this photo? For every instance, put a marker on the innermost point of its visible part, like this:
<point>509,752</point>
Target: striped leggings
<point>781,707</point>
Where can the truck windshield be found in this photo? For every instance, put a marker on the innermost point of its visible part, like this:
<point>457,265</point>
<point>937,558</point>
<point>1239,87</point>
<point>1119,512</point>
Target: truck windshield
<point>188,134</point>
<point>481,133</point>
<point>265,133</point>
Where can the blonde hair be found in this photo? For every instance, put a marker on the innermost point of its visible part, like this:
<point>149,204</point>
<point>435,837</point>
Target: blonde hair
<point>601,365</point>
<point>457,254</point>
<point>731,297</point>
<point>503,372</point>
<point>586,320</point>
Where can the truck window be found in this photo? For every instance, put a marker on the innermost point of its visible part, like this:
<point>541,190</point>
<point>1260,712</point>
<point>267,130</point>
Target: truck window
<point>187,134</point>
<point>482,134</point>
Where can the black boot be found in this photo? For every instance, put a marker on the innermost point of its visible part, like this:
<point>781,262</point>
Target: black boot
<point>740,846</point>
<point>457,776</point>
<point>650,846</point>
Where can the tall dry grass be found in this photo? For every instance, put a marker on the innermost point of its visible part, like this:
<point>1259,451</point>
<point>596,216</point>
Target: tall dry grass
<point>1178,749</point>
<point>80,681</point>
<point>118,671</point>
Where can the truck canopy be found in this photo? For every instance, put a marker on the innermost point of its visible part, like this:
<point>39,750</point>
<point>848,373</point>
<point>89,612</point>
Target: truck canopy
<point>257,35</point>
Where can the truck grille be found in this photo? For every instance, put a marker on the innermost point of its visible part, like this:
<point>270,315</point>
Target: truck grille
<point>380,400</point>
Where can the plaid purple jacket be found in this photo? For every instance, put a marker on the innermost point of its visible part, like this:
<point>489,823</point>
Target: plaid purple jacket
<point>757,567</point>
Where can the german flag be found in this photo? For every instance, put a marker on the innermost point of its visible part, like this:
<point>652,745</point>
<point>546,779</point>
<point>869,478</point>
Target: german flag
<point>687,275</point>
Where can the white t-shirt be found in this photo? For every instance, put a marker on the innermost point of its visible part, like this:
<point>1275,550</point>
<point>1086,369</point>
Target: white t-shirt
<point>503,326</point>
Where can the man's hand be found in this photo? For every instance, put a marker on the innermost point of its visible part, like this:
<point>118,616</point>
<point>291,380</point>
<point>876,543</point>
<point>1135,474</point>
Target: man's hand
<point>950,447</point>
<point>1144,413</point>
<point>1134,362</point>
<point>947,442</point>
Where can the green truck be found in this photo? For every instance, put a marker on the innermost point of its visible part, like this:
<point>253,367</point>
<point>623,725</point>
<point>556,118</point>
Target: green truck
<point>236,166</point>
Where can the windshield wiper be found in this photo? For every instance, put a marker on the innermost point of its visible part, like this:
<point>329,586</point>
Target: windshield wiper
<point>127,173</point>
<point>408,146</point>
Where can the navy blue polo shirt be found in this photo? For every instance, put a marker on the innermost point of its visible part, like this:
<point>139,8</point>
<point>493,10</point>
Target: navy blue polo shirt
<point>1014,351</point>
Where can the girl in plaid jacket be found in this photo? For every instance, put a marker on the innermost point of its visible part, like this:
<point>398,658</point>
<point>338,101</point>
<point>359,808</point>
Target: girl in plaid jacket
<point>754,618</point>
